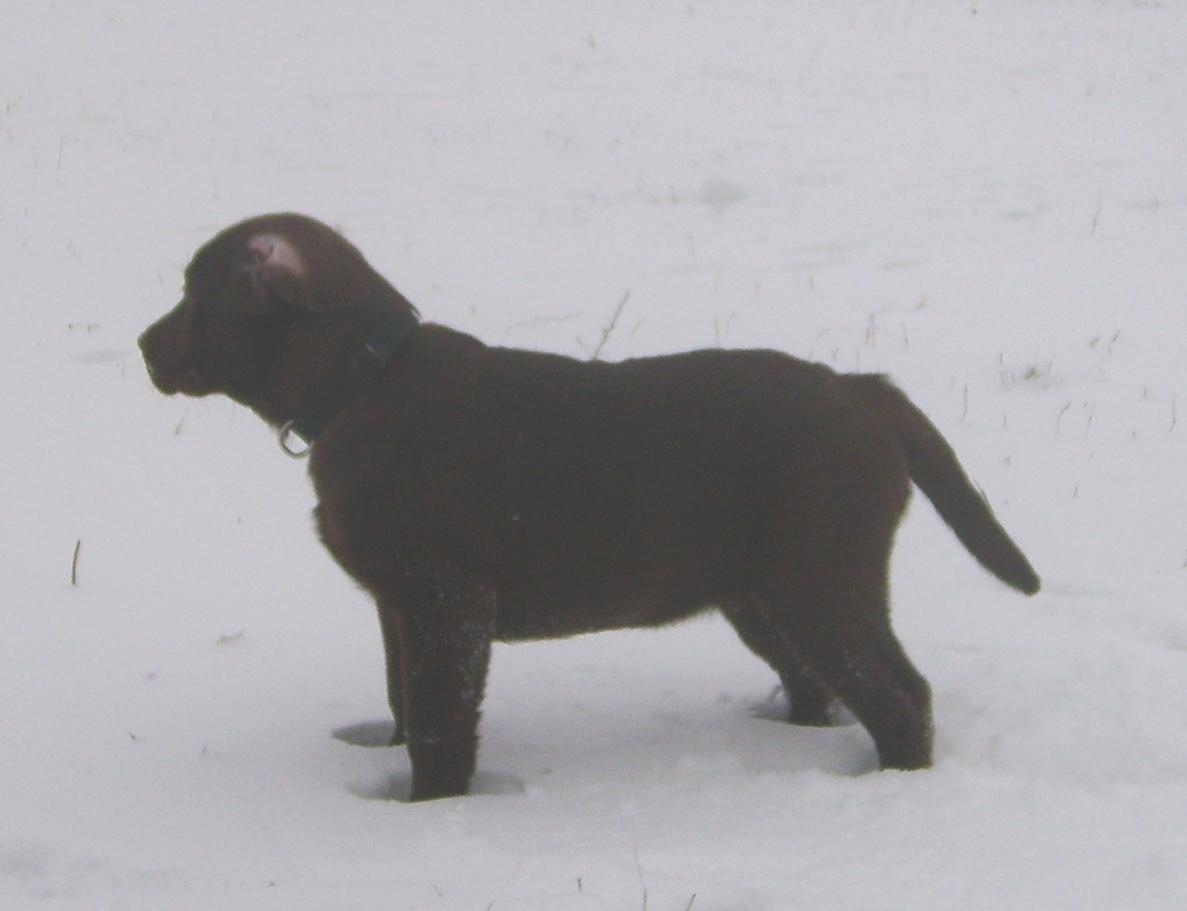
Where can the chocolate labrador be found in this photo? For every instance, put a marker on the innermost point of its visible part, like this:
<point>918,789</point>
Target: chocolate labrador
<point>483,493</point>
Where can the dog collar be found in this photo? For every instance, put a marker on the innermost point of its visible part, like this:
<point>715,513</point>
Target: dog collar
<point>352,375</point>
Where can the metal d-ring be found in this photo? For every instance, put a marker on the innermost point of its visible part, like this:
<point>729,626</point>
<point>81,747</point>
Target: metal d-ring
<point>286,432</point>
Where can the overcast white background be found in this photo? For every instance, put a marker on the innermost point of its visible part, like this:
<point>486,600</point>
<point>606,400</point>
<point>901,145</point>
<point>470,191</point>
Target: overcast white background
<point>987,201</point>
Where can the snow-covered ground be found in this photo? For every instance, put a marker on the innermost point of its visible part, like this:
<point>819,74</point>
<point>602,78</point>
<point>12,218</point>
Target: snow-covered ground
<point>988,202</point>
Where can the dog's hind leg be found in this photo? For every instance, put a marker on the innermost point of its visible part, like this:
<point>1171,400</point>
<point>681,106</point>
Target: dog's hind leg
<point>444,621</point>
<point>809,699</point>
<point>846,636</point>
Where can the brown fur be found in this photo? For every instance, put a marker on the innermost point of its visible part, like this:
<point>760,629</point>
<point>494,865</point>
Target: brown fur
<point>483,493</point>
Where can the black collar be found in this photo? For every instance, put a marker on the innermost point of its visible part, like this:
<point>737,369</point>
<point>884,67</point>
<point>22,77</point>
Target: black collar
<point>350,377</point>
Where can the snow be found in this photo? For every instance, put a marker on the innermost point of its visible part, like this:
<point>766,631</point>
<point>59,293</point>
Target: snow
<point>986,201</point>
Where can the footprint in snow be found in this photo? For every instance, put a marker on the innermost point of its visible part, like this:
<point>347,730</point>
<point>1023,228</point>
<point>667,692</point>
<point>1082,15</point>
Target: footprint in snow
<point>398,786</point>
<point>366,733</point>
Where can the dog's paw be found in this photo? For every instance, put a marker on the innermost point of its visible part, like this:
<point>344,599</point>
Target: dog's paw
<point>777,707</point>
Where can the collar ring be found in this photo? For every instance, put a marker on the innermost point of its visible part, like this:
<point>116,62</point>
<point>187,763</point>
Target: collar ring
<point>284,437</point>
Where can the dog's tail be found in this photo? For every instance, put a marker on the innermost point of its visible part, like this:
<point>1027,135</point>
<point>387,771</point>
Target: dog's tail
<point>933,466</point>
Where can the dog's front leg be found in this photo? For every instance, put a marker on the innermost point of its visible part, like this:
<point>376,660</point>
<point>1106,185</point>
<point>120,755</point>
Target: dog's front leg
<point>444,622</point>
<point>394,668</point>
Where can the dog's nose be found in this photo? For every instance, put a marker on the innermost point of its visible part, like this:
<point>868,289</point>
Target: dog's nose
<point>144,343</point>
<point>150,367</point>
<point>158,356</point>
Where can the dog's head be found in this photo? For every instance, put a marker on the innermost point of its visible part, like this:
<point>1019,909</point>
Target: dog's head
<point>246,291</point>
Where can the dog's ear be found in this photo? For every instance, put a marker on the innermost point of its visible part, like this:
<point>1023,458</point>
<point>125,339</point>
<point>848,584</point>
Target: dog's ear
<point>278,274</point>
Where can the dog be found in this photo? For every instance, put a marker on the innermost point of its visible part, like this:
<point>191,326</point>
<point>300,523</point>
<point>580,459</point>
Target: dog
<point>482,493</point>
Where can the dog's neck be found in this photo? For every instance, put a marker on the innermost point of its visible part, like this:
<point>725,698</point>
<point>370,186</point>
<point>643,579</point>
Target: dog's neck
<point>354,373</point>
<point>323,360</point>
